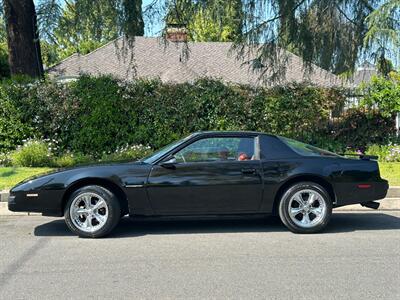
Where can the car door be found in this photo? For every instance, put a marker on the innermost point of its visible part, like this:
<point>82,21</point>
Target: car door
<point>210,175</point>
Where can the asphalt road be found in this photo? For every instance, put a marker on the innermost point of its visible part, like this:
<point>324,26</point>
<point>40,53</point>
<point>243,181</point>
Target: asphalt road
<point>358,257</point>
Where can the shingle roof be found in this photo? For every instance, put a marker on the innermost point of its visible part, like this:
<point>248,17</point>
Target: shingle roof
<point>151,58</point>
<point>363,74</point>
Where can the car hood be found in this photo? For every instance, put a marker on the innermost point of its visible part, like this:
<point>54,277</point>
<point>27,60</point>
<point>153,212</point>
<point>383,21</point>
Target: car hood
<point>44,178</point>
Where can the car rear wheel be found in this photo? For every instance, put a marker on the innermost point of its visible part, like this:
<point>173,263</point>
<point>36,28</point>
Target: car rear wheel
<point>305,207</point>
<point>92,211</point>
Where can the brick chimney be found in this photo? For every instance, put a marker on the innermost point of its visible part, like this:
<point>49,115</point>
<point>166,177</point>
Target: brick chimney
<point>176,33</point>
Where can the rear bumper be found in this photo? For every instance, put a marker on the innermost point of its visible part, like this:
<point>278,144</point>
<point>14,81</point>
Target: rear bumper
<point>359,192</point>
<point>381,189</point>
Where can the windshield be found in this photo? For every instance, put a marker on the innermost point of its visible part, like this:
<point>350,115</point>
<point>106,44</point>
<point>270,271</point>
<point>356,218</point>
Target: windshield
<point>305,149</point>
<point>156,155</point>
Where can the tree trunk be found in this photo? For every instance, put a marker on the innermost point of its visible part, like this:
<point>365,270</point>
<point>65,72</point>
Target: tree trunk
<point>140,23</point>
<point>22,38</point>
<point>133,24</point>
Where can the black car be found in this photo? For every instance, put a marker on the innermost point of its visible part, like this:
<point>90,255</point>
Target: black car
<point>208,173</point>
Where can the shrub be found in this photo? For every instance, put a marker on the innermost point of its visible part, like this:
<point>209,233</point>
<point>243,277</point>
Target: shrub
<point>357,129</point>
<point>97,115</point>
<point>327,142</point>
<point>383,93</point>
<point>64,160</point>
<point>101,122</point>
<point>13,130</point>
<point>46,108</point>
<point>127,153</point>
<point>69,160</point>
<point>394,154</point>
<point>389,153</point>
<point>381,151</point>
<point>297,111</point>
<point>5,159</point>
<point>40,153</point>
<point>32,154</point>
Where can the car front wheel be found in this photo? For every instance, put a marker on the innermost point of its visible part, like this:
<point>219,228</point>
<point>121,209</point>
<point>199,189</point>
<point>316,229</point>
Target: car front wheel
<point>305,207</point>
<point>92,211</point>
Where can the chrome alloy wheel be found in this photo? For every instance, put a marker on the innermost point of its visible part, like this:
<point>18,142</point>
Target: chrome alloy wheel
<point>89,212</point>
<point>307,208</point>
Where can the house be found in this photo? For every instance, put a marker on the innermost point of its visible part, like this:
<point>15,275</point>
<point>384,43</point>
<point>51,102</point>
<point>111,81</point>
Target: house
<point>151,58</point>
<point>363,74</point>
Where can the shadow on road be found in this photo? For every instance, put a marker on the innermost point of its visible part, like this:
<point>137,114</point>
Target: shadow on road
<point>340,222</point>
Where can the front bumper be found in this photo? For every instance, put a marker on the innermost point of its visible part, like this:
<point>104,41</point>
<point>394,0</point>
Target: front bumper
<point>45,202</point>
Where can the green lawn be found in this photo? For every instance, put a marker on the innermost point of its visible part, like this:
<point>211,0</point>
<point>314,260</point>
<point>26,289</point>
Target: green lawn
<point>11,176</point>
<point>391,172</point>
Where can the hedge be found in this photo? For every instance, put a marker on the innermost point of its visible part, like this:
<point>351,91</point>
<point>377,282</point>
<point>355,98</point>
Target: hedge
<point>96,115</point>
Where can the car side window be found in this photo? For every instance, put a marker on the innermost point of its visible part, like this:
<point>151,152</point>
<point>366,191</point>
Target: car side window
<point>218,149</point>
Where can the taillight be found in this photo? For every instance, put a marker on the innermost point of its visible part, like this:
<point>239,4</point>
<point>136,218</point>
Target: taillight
<point>363,186</point>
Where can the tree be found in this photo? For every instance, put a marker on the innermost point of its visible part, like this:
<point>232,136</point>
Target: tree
<point>82,26</point>
<point>383,93</point>
<point>77,34</point>
<point>86,25</point>
<point>327,33</point>
<point>330,40</point>
<point>22,38</point>
<point>384,34</point>
<point>4,67</point>
<point>214,21</point>
<point>384,67</point>
<point>98,21</point>
<point>332,34</point>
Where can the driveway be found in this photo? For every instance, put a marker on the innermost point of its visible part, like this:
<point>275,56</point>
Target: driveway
<point>358,257</point>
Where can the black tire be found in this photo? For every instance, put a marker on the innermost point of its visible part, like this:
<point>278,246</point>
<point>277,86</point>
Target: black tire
<point>112,205</point>
<point>292,221</point>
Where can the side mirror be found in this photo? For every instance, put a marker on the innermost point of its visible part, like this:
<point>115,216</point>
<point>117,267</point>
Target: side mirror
<point>169,163</point>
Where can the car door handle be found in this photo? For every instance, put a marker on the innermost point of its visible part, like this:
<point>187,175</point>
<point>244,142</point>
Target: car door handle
<point>249,171</point>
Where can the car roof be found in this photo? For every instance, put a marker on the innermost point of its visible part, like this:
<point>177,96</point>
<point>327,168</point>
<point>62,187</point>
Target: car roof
<point>229,132</point>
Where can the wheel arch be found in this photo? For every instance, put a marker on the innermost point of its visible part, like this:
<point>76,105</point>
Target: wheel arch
<point>301,178</point>
<point>105,183</point>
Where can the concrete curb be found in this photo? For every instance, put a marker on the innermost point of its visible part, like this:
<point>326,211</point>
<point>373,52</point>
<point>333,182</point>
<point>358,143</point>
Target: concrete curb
<point>393,192</point>
<point>4,196</point>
